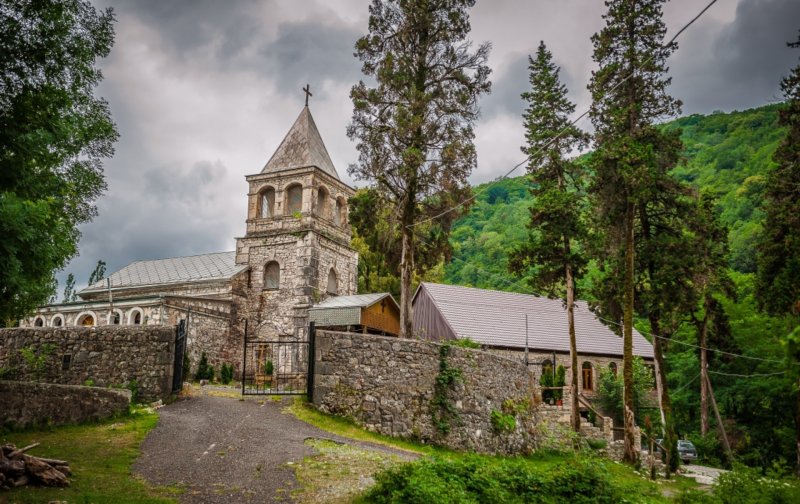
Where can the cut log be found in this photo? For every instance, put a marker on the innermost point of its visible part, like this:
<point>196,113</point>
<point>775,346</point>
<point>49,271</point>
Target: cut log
<point>12,468</point>
<point>21,481</point>
<point>17,453</point>
<point>44,473</point>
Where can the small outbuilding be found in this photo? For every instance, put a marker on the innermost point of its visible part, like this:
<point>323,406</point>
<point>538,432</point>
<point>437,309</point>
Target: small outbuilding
<point>376,313</point>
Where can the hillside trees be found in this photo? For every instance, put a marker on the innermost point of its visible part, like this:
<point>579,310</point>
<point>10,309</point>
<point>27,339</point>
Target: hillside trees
<point>632,156</point>
<point>552,254</point>
<point>54,134</point>
<point>777,286</point>
<point>414,128</point>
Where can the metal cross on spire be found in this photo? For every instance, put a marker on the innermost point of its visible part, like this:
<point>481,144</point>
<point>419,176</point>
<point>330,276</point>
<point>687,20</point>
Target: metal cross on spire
<point>307,91</point>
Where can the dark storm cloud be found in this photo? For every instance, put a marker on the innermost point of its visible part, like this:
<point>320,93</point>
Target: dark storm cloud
<point>513,79</point>
<point>311,52</point>
<point>740,64</point>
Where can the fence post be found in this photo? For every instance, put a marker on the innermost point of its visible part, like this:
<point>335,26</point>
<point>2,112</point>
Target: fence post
<point>312,337</point>
<point>244,355</point>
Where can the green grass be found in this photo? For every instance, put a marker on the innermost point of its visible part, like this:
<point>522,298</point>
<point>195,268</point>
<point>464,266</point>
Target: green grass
<point>100,456</point>
<point>434,475</point>
<point>347,428</point>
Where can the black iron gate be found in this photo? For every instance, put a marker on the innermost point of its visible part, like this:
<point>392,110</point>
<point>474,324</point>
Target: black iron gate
<point>180,351</point>
<point>278,367</point>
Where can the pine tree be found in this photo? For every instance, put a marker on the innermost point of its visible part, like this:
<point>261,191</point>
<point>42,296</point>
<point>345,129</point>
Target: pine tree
<point>631,156</point>
<point>414,128</point>
<point>777,286</point>
<point>552,255</point>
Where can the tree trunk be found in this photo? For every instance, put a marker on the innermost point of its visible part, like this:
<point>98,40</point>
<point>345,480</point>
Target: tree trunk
<point>670,439</point>
<point>703,375</point>
<point>630,455</point>
<point>575,418</point>
<point>406,274</point>
<point>797,425</point>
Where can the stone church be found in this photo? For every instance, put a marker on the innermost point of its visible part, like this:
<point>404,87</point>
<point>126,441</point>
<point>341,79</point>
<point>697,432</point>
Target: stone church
<point>294,254</point>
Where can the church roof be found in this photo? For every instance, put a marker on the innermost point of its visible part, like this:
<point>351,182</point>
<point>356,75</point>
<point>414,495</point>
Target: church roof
<point>497,318</point>
<point>302,146</point>
<point>198,268</point>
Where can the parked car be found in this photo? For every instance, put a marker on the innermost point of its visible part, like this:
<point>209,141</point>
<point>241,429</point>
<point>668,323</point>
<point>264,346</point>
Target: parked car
<point>687,451</point>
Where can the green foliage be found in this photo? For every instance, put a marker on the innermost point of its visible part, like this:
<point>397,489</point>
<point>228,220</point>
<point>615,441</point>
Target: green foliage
<point>269,368</point>
<point>414,127</point>
<point>226,373</point>
<point>204,370</point>
<point>187,366</point>
<point>36,359</point>
<point>473,478</point>
<point>503,423</point>
<point>777,288</point>
<point>443,411</point>
<point>54,134</point>
<point>746,485</point>
<point>610,389</point>
<point>99,273</point>
<point>465,343</point>
<point>560,381</point>
<point>70,294</point>
<point>133,386</point>
<point>596,444</point>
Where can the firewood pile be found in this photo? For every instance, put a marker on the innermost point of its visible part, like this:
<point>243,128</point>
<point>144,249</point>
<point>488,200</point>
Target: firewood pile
<point>19,469</point>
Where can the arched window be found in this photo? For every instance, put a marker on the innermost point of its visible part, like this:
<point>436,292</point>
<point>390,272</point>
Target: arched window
<point>294,199</point>
<point>333,283</point>
<point>57,321</point>
<point>272,276</point>
<point>85,321</point>
<point>613,368</point>
<point>266,203</point>
<point>587,376</point>
<point>323,209</point>
<point>116,317</point>
<point>340,213</point>
<point>38,322</point>
<point>135,316</point>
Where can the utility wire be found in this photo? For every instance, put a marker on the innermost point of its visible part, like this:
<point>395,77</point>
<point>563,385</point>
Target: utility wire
<point>746,375</point>
<point>565,129</point>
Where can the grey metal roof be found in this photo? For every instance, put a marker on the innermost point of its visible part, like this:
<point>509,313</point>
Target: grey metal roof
<point>302,146</point>
<point>198,268</point>
<point>498,318</point>
<point>357,301</point>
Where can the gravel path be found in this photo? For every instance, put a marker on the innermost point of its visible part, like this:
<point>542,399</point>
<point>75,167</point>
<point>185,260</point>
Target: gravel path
<point>225,450</point>
<point>702,474</point>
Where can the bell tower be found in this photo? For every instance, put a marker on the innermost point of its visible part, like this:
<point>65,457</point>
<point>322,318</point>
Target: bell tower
<point>297,243</point>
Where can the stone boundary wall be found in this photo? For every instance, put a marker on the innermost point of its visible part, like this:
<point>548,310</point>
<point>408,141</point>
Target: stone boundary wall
<point>387,385</point>
<point>24,404</point>
<point>103,356</point>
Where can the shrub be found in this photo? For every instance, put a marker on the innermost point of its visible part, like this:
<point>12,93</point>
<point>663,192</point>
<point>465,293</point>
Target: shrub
<point>547,381</point>
<point>465,343</point>
<point>560,381</point>
<point>474,478</point>
<point>226,373</point>
<point>187,366</point>
<point>748,485</point>
<point>204,370</point>
<point>133,386</point>
<point>502,423</point>
<point>596,444</point>
<point>269,368</point>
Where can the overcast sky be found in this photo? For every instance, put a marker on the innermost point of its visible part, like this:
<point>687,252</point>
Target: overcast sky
<point>203,91</point>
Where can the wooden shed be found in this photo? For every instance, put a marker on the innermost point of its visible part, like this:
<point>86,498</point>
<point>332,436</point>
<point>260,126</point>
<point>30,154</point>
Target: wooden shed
<point>368,313</point>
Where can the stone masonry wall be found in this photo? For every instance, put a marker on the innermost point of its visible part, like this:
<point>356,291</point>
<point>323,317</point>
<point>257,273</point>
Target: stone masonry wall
<point>107,356</point>
<point>388,386</point>
<point>24,404</point>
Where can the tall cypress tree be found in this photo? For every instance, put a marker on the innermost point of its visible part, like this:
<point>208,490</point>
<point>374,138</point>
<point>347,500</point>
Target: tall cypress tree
<point>628,96</point>
<point>777,286</point>
<point>552,255</point>
<point>414,128</point>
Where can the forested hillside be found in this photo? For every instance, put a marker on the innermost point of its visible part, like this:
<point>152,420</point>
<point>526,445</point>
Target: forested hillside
<point>726,153</point>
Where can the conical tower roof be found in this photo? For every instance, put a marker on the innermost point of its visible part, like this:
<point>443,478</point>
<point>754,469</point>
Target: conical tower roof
<point>302,146</point>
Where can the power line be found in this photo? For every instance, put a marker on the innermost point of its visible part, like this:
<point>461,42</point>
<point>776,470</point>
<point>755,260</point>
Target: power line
<point>565,129</point>
<point>687,383</point>
<point>746,375</point>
